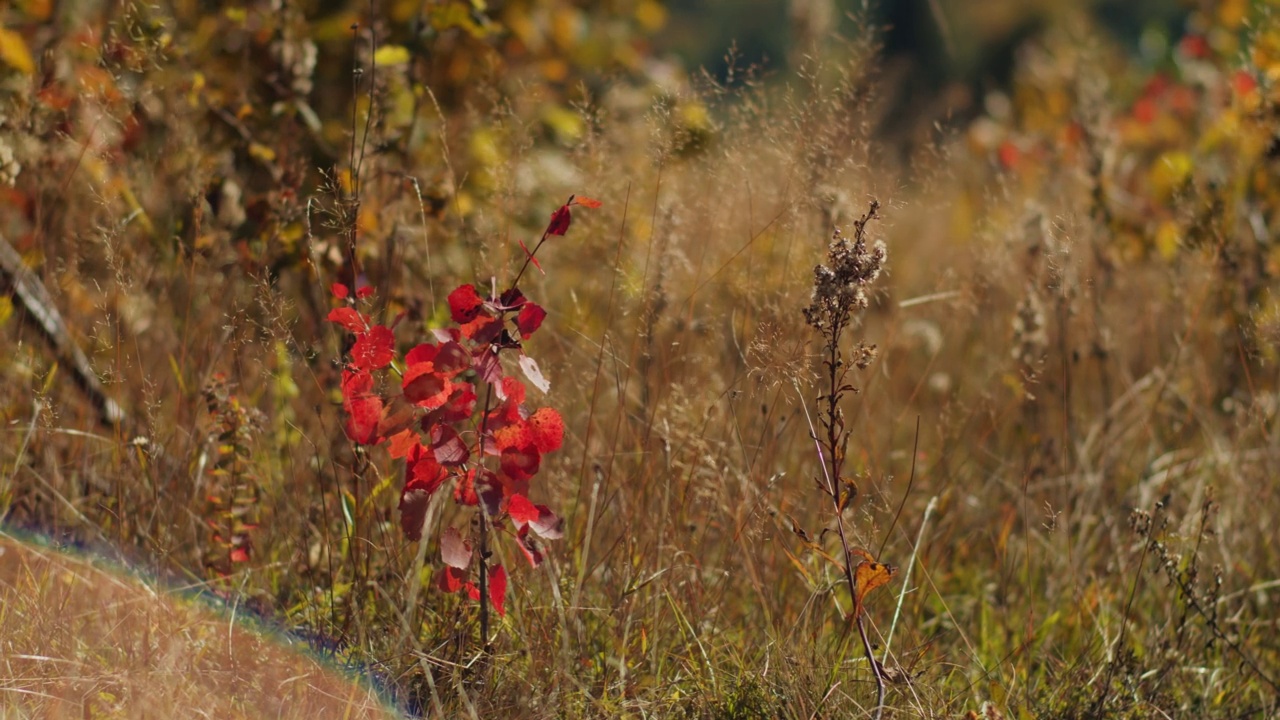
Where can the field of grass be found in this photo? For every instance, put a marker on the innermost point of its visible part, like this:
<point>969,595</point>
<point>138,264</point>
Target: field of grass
<point>1063,443</point>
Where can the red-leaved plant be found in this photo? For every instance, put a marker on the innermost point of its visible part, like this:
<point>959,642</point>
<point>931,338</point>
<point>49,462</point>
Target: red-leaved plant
<point>433,418</point>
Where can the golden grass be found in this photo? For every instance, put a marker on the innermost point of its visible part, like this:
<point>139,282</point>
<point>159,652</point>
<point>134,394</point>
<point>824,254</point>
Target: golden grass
<point>79,640</point>
<point>1041,376</point>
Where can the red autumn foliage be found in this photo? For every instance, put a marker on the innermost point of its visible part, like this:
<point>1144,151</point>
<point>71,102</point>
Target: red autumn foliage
<point>432,421</point>
<point>530,319</point>
<point>465,304</point>
<point>373,349</point>
<point>349,318</point>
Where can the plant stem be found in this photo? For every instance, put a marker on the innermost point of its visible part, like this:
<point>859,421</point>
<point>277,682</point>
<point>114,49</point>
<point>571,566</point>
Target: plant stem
<point>875,666</point>
<point>484,529</point>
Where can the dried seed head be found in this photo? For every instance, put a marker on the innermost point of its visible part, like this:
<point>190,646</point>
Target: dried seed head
<point>840,286</point>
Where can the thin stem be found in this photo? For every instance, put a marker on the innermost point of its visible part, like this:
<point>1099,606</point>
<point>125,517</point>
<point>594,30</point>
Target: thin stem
<point>484,529</point>
<point>875,667</point>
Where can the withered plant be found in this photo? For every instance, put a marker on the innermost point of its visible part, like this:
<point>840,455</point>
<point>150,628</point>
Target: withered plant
<point>839,295</point>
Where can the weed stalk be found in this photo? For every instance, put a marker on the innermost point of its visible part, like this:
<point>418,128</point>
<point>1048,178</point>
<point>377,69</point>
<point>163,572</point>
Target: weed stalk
<point>840,291</point>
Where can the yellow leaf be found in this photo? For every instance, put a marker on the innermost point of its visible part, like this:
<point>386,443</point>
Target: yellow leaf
<point>14,52</point>
<point>565,123</point>
<point>868,576</point>
<point>484,147</point>
<point>651,15</point>
<point>1167,240</point>
<point>695,116</point>
<point>262,153</point>
<point>1169,172</point>
<point>6,309</point>
<point>392,55</point>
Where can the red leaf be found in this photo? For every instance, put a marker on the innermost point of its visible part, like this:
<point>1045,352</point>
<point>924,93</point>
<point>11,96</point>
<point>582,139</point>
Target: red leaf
<point>425,352</point>
<point>521,463</point>
<point>348,318</point>
<point>1009,154</point>
<point>396,417</point>
<point>448,446</point>
<point>512,487</point>
<point>465,492</point>
<point>512,299</point>
<point>533,259</point>
<point>511,390</point>
<point>445,334</point>
<point>364,292</point>
<point>473,592</point>
<point>402,443</point>
<point>239,554</point>
<point>423,386</point>
<point>465,304</point>
<point>1243,82</point>
<point>363,414</point>
<point>1194,46</point>
<point>513,435</point>
<point>413,510</point>
<point>484,329</point>
<point>460,405</point>
<point>356,383</point>
<point>498,589</point>
<point>531,372</point>
<point>529,546</point>
<point>488,367</point>
<point>452,359</point>
<point>1145,110</point>
<point>522,511</point>
<point>560,220</point>
<point>339,291</point>
<point>422,472</point>
<point>548,524</point>
<point>587,202</point>
<point>530,319</point>
<point>452,580</point>
<point>547,428</point>
<point>373,349</point>
<point>454,551</point>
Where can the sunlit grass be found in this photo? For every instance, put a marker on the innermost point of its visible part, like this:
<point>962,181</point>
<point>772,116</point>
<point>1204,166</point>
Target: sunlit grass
<point>1046,368</point>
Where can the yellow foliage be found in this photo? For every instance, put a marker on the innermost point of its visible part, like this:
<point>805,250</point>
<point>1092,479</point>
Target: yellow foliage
<point>1168,239</point>
<point>262,153</point>
<point>651,15</point>
<point>1231,13</point>
<point>1169,172</point>
<point>485,148</point>
<point>694,115</point>
<point>566,124</point>
<point>568,26</point>
<point>14,52</point>
<point>389,55</point>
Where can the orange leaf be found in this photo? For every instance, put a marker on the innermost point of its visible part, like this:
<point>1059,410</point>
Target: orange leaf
<point>587,202</point>
<point>868,576</point>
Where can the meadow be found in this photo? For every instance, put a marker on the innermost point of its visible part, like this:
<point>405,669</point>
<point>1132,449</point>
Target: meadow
<point>1037,379</point>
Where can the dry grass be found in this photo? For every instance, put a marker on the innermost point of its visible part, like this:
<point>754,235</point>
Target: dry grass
<point>82,641</point>
<point>1038,380</point>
